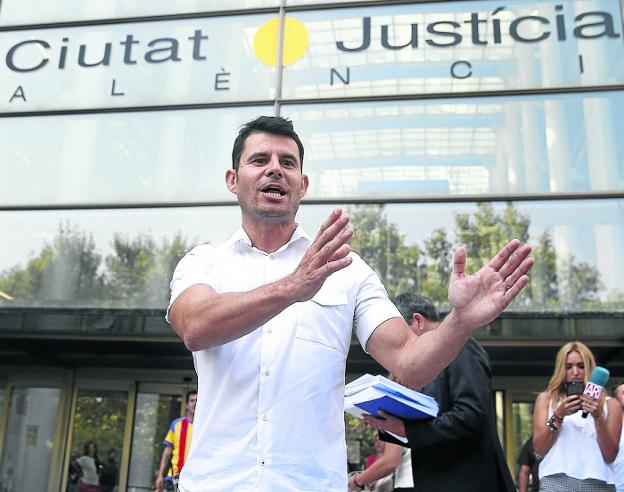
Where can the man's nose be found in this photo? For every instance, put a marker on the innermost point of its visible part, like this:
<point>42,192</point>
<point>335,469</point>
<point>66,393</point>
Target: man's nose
<point>274,167</point>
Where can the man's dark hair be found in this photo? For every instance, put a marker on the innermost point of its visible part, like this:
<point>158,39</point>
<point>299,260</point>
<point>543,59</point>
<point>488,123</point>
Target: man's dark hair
<point>615,387</point>
<point>267,124</point>
<point>189,394</point>
<point>409,304</point>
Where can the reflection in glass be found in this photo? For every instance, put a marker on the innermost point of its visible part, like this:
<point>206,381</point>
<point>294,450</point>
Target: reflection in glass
<point>124,258</point>
<point>450,47</point>
<point>522,414</point>
<point>135,64</point>
<point>29,439</point>
<point>99,422</point>
<point>499,402</point>
<point>496,145</point>
<point>154,412</point>
<point>120,157</point>
<point>41,12</point>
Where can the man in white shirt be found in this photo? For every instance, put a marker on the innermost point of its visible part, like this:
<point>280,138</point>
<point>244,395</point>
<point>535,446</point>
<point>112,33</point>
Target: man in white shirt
<point>268,316</point>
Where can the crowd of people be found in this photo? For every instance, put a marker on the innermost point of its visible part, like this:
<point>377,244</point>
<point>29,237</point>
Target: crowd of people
<point>269,316</point>
<point>573,448</point>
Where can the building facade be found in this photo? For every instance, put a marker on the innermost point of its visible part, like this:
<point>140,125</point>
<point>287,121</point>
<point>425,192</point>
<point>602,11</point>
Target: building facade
<point>434,123</point>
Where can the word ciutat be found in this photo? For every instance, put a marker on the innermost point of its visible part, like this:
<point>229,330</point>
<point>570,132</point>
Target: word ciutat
<point>34,54</point>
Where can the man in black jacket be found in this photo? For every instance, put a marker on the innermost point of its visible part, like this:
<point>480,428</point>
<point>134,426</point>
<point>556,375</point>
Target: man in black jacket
<point>459,449</point>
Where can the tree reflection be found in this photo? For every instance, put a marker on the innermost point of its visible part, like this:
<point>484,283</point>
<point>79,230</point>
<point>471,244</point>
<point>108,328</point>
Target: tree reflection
<point>70,272</point>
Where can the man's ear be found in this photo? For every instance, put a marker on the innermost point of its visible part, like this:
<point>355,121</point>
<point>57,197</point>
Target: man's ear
<point>230,180</point>
<point>305,182</point>
<point>418,322</point>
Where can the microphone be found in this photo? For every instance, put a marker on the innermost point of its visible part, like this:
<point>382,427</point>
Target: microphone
<point>597,381</point>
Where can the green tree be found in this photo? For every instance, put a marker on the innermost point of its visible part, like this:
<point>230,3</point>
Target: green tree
<point>100,417</point>
<point>139,269</point>
<point>486,232</point>
<point>543,287</point>
<point>383,247</point>
<point>438,267</point>
<point>66,272</point>
<point>579,284</point>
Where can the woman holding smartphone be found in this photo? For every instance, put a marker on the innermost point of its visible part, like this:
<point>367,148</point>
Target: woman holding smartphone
<point>576,450</point>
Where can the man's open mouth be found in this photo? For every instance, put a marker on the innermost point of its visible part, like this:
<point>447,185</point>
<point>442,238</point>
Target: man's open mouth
<point>273,191</point>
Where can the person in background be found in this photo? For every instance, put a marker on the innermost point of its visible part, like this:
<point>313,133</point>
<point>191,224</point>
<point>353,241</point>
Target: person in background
<point>577,451</point>
<point>618,464</point>
<point>393,469</point>
<point>528,477</point>
<point>90,466</point>
<point>379,449</point>
<point>177,443</point>
<point>109,475</point>
<point>73,473</point>
<point>459,450</point>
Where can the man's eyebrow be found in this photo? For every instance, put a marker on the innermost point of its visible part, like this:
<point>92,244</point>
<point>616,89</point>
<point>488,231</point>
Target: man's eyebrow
<point>262,153</point>
<point>257,154</point>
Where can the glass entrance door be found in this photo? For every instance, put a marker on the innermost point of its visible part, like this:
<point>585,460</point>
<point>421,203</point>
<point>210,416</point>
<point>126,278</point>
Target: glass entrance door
<point>29,443</point>
<point>156,407</point>
<point>97,442</point>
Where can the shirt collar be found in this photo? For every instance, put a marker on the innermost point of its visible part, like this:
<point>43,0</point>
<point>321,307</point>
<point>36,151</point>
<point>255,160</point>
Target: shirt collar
<point>241,238</point>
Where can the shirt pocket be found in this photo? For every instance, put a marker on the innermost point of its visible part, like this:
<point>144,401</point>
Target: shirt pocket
<point>326,320</point>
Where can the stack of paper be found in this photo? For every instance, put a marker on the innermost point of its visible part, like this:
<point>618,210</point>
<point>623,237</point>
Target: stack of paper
<point>368,394</point>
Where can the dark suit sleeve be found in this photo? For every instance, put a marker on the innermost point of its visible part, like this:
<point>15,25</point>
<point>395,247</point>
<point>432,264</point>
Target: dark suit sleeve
<point>469,395</point>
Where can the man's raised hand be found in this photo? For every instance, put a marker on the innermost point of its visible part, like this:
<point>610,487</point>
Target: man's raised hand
<point>327,254</point>
<point>479,298</point>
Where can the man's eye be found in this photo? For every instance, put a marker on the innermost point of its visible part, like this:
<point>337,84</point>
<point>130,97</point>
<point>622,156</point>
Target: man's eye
<point>288,163</point>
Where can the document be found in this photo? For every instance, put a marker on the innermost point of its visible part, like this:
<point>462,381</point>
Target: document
<point>369,394</point>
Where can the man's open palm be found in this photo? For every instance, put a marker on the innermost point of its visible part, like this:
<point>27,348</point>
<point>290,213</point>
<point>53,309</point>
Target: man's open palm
<point>479,298</point>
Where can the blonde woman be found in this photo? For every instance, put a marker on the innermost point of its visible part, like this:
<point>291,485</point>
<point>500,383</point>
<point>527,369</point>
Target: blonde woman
<point>576,450</point>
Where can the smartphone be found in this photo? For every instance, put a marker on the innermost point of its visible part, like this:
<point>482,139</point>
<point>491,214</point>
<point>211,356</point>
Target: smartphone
<point>574,387</point>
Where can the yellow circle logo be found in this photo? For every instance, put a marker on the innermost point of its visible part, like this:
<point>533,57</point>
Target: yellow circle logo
<point>296,41</point>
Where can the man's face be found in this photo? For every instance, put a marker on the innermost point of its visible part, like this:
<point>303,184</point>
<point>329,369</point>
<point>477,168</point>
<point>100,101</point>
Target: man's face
<point>269,183</point>
<point>190,405</point>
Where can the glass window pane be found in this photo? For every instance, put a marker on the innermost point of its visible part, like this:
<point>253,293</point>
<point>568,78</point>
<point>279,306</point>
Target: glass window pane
<point>99,419</point>
<point>497,145</point>
<point>29,440</point>
<point>154,412</point>
<point>499,402</point>
<point>576,244</point>
<point>139,248</point>
<point>191,61</point>
<point>15,12</point>
<point>290,3</point>
<point>164,156</point>
<point>522,413</point>
<point>440,47</point>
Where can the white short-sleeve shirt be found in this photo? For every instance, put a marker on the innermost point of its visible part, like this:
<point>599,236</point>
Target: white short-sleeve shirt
<point>269,413</point>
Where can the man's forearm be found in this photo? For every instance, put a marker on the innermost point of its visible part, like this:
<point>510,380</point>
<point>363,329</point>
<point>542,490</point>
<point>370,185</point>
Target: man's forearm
<point>424,357</point>
<point>205,319</point>
<point>164,461</point>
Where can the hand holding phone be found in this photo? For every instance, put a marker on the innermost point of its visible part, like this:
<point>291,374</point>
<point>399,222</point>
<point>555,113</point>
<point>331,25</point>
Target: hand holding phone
<point>574,387</point>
